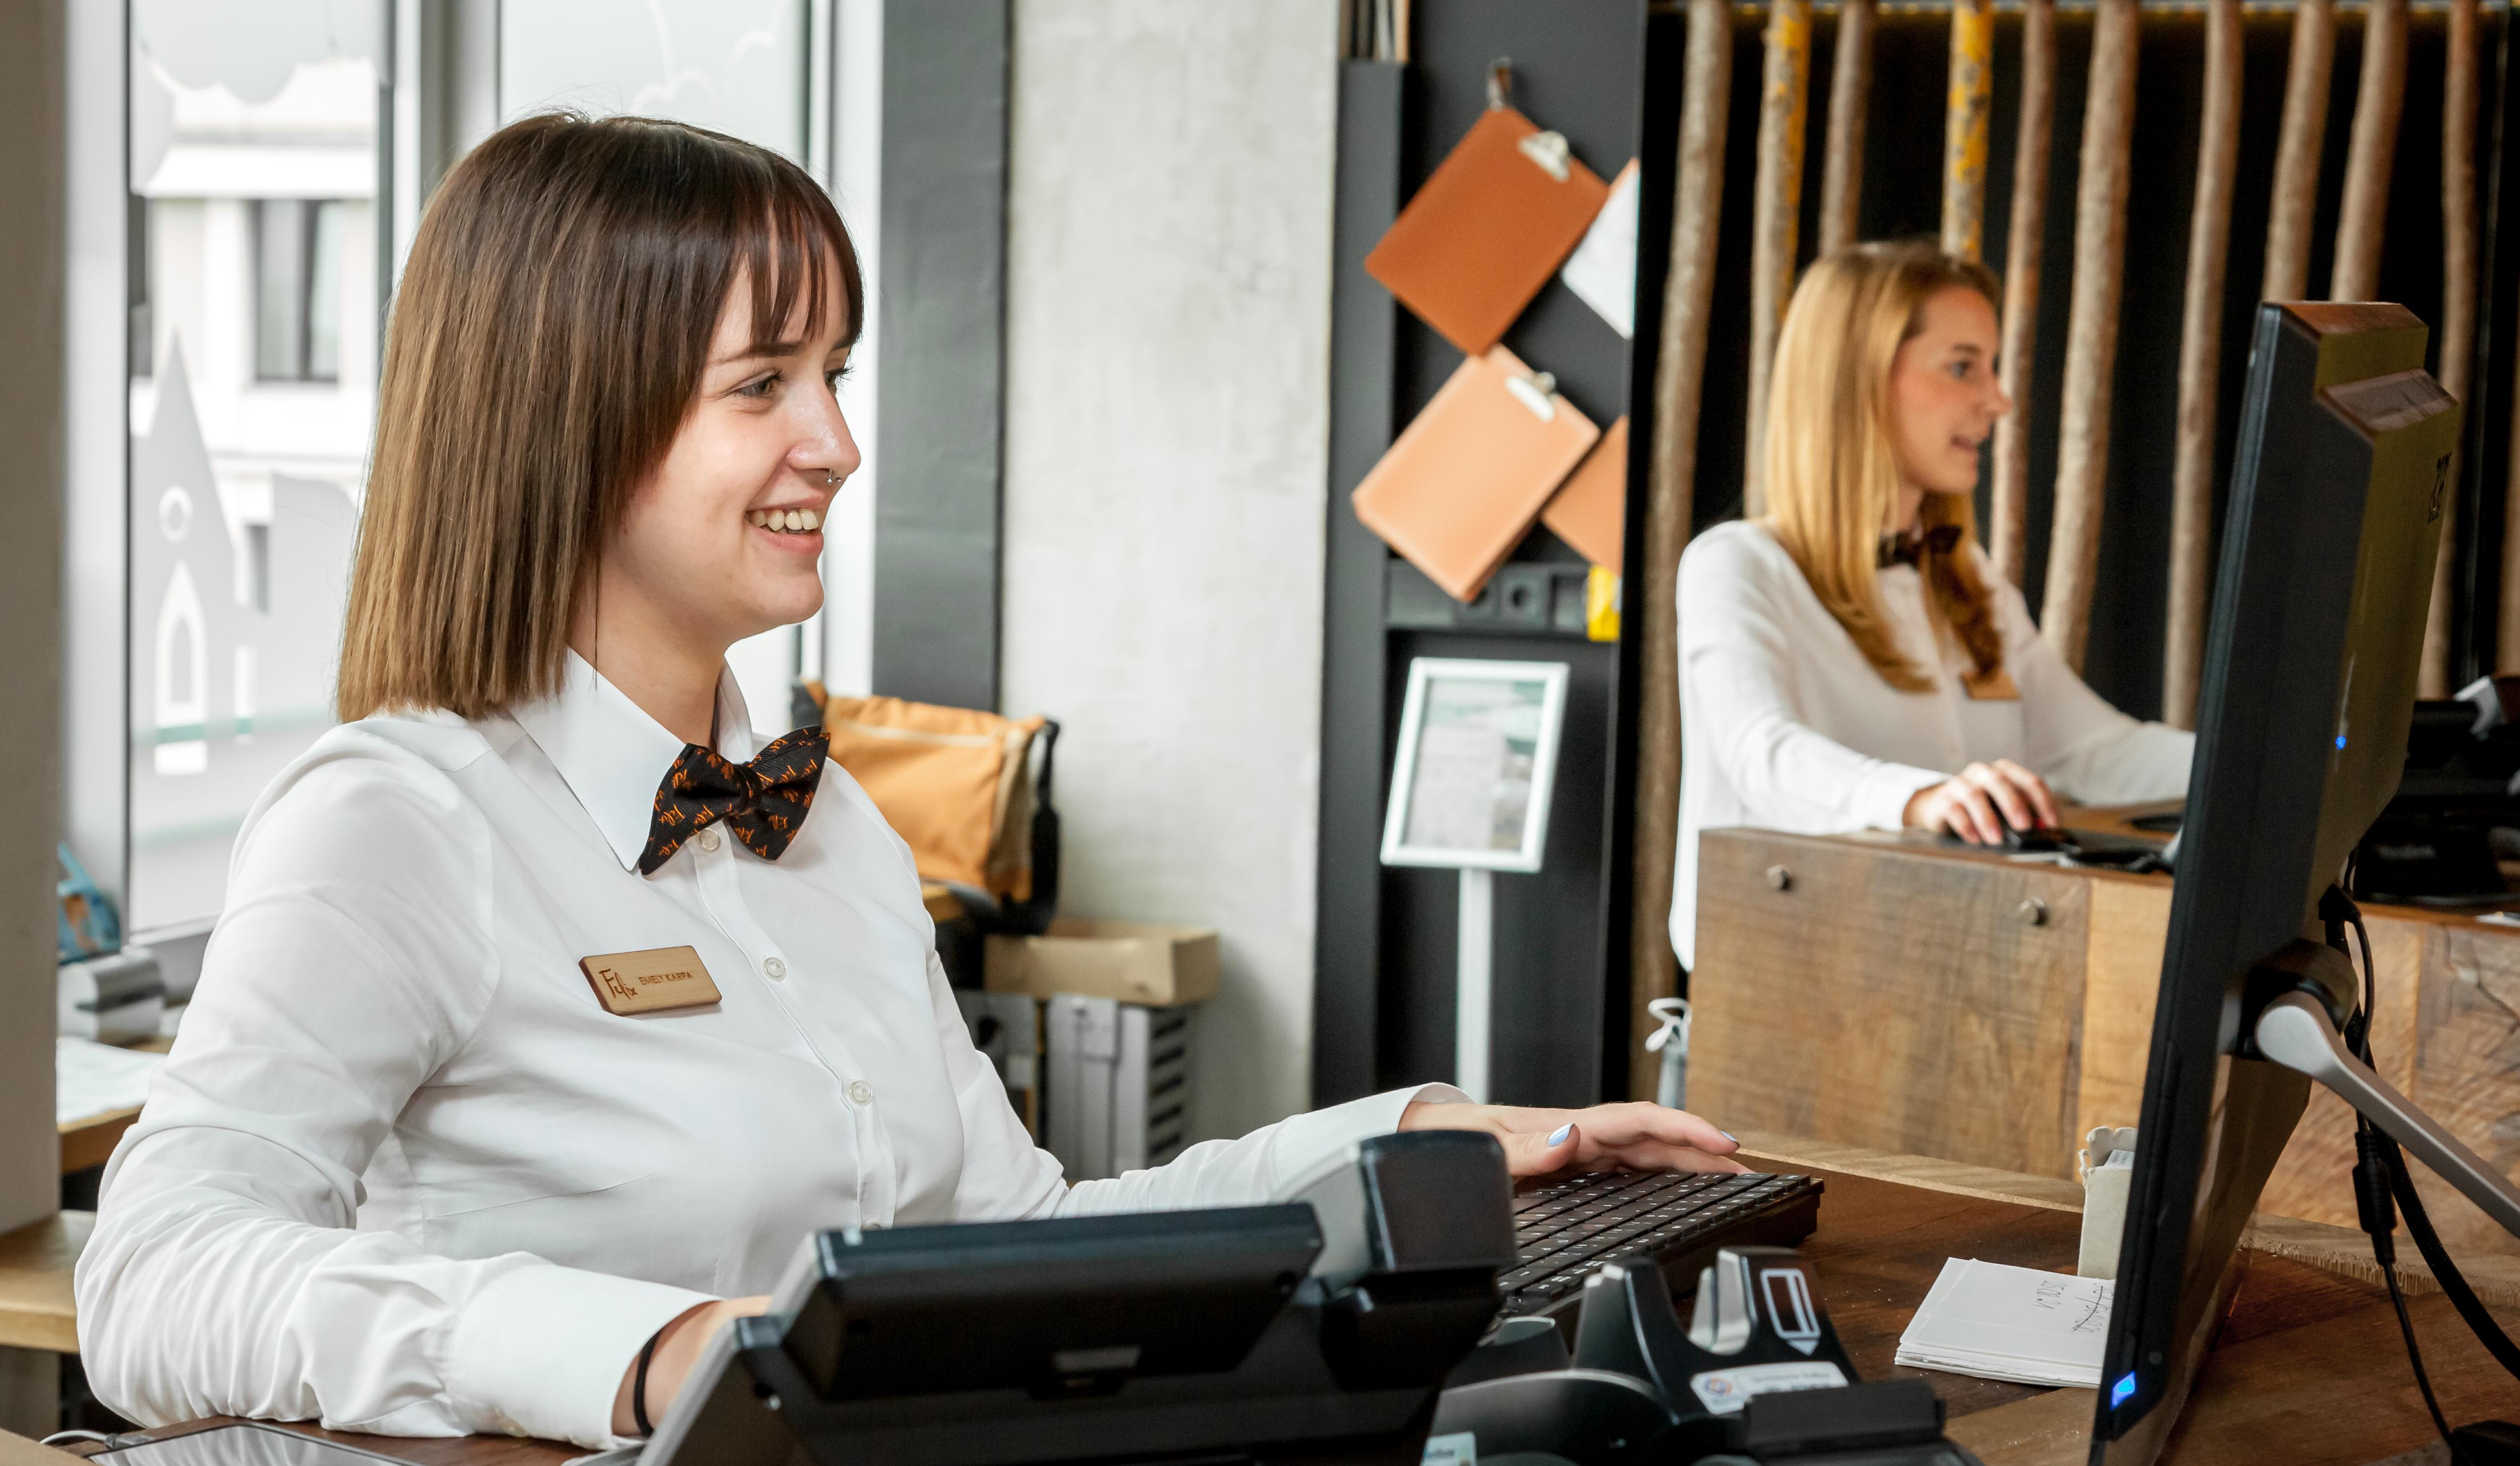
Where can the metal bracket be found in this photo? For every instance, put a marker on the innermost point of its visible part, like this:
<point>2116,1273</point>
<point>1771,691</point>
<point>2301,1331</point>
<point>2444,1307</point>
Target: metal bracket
<point>2296,1031</point>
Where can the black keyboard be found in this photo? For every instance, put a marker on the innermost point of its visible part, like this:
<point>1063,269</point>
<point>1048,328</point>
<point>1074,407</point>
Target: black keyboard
<point>1566,1230</point>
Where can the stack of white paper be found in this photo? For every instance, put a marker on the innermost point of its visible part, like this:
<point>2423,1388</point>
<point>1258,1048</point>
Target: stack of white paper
<point>91,1078</point>
<point>2012,1323</point>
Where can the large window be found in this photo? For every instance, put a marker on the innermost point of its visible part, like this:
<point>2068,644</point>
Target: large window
<point>253,154</point>
<point>258,236</point>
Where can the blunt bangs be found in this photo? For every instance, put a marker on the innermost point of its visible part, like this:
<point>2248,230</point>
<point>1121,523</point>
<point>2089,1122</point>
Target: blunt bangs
<point>547,343</point>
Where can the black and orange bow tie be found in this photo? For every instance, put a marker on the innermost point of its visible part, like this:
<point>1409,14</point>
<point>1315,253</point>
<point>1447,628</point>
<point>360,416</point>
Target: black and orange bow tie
<point>763,802</point>
<point>1906,547</point>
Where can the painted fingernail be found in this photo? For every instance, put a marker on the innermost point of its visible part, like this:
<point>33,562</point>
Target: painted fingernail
<point>1729,1135</point>
<point>1558,1135</point>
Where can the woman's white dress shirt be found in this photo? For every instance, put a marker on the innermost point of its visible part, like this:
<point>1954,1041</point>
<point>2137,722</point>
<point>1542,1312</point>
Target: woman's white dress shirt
<point>1785,725</point>
<point>404,1173</point>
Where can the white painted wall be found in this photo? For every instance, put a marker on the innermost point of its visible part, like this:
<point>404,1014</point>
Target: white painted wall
<point>1167,441</point>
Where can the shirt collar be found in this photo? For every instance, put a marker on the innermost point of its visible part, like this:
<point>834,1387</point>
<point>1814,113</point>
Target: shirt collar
<point>613,756</point>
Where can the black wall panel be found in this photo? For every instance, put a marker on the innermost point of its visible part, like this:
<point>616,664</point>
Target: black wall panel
<point>1383,1003</point>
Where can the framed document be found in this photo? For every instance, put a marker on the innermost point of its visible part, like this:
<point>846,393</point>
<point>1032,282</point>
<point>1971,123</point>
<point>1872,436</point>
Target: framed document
<point>1478,754</point>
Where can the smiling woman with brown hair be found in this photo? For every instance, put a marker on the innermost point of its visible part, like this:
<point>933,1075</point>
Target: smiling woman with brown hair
<point>1852,661</point>
<point>511,1077</point>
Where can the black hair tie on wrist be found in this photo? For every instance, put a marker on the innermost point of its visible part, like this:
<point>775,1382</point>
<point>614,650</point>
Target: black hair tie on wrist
<point>639,1385</point>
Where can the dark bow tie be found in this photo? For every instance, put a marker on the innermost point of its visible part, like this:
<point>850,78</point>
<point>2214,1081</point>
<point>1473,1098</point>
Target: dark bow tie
<point>1906,547</point>
<point>763,802</point>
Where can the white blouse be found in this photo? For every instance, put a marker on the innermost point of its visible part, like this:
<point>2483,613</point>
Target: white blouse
<point>404,1173</point>
<point>1785,725</point>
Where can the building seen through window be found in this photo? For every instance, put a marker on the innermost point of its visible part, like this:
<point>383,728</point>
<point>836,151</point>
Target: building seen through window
<point>297,289</point>
<point>253,282</point>
<point>254,167</point>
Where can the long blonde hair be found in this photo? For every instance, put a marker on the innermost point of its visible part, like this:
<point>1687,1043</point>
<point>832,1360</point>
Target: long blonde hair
<point>1828,468</point>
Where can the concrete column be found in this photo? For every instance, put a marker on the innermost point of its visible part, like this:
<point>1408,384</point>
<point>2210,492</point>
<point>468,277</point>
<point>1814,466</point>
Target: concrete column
<point>1168,287</point>
<point>34,238</point>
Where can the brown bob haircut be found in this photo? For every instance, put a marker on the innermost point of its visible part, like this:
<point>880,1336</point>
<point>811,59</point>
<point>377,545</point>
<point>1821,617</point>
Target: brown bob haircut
<point>546,344</point>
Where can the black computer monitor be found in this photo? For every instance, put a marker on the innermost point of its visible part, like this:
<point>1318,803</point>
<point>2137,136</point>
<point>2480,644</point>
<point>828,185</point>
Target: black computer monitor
<point>2335,514</point>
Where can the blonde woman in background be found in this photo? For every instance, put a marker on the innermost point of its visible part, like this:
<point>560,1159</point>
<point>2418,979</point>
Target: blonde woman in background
<point>1850,660</point>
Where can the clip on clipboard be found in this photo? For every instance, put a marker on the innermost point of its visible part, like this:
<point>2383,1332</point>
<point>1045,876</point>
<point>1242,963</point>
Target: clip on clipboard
<point>1590,510</point>
<point>1493,222</point>
<point>1459,489</point>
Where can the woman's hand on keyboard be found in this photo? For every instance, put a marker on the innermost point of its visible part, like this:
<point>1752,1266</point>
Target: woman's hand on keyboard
<point>1631,1136</point>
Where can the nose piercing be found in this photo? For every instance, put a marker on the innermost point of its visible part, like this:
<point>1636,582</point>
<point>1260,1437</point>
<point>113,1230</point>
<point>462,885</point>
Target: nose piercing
<point>833,478</point>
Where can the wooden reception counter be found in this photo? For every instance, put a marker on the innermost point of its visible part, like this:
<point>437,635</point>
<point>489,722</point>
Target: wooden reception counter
<point>1914,995</point>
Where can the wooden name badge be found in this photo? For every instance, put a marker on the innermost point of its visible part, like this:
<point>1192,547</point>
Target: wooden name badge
<point>650,982</point>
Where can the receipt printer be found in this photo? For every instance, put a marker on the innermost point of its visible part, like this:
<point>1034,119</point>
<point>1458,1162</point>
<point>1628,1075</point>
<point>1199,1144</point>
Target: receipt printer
<point>1757,1376</point>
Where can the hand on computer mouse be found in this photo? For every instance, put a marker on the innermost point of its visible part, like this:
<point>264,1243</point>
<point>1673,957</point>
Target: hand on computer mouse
<point>1633,1137</point>
<point>1981,801</point>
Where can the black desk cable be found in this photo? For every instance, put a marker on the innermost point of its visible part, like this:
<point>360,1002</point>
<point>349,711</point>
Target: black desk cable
<point>2381,1176</point>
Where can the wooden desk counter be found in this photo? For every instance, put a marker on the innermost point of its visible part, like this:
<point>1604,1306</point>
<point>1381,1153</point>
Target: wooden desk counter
<point>90,1141</point>
<point>1921,997</point>
<point>36,1311</point>
<point>2274,1390</point>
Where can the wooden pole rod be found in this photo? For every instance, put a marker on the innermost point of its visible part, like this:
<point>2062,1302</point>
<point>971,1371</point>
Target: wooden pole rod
<point>1966,111</point>
<point>1775,214</point>
<point>2092,331</point>
<point>1850,92</point>
<point>1680,380</point>
<point>2373,145</point>
<point>2200,366</point>
<point>2458,312</point>
<point>2023,247</point>
<point>2297,151</point>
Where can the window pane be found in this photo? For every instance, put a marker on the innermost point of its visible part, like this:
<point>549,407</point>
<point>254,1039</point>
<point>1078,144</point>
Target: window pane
<point>735,69</point>
<point>324,293</point>
<point>253,141</point>
<point>280,287</point>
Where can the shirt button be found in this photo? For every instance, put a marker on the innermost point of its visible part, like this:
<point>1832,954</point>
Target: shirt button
<point>862,1091</point>
<point>709,841</point>
<point>773,969</point>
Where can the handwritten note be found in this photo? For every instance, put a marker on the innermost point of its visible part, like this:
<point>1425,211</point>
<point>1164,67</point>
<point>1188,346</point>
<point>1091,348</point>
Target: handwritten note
<point>2012,1323</point>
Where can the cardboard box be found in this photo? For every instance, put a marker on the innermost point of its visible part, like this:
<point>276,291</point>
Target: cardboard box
<point>1157,966</point>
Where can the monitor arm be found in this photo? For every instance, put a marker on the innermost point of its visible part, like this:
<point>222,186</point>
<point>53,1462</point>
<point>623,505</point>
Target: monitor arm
<point>2294,1029</point>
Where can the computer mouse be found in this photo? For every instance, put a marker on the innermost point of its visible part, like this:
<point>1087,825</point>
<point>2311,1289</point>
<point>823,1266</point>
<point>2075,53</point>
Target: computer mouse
<point>2037,840</point>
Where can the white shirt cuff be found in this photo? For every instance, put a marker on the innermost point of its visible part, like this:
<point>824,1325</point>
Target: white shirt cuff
<point>540,1350</point>
<point>1883,804</point>
<point>1305,1141</point>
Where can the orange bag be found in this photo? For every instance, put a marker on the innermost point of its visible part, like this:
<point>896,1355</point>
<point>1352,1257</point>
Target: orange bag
<point>956,783</point>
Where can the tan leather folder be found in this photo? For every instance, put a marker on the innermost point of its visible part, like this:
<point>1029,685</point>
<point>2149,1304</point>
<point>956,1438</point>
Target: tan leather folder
<point>1590,510</point>
<point>1489,227</point>
<point>1462,485</point>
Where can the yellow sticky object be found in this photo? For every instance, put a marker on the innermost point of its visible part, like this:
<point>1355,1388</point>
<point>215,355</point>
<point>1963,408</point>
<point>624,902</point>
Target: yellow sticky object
<point>1601,604</point>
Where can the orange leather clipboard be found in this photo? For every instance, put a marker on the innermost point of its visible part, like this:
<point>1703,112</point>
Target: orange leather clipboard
<point>1462,485</point>
<point>1590,510</point>
<point>1491,224</point>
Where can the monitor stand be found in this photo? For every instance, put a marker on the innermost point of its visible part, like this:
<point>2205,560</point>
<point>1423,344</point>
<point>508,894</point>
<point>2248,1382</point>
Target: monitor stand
<point>2294,1031</point>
